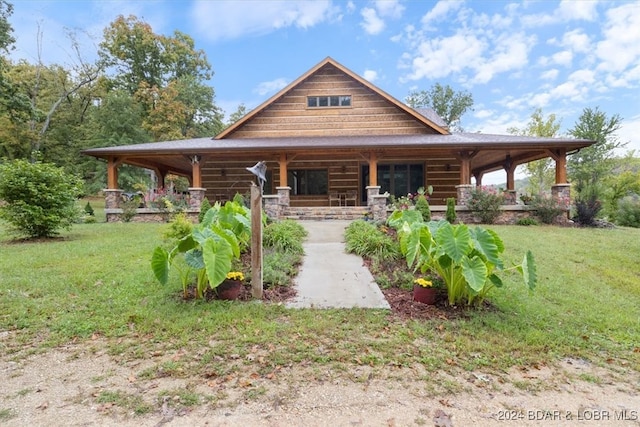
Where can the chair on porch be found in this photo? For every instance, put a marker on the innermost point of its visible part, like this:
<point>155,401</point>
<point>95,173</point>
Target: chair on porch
<point>351,196</point>
<point>334,197</point>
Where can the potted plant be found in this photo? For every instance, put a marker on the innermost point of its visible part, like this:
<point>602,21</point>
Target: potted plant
<point>231,286</point>
<point>526,199</point>
<point>424,291</point>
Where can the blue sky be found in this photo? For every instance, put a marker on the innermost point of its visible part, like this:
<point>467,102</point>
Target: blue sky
<point>513,56</point>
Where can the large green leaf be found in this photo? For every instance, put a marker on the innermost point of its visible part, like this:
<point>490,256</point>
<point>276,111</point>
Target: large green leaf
<point>455,240</point>
<point>417,243</point>
<point>229,236</point>
<point>485,243</point>
<point>217,257</point>
<point>186,243</point>
<point>194,259</point>
<point>160,264</point>
<point>475,273</point>
<point>529,273</point>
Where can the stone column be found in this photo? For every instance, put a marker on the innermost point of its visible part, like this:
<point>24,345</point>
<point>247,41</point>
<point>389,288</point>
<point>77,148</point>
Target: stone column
<point>196,196</point>
<point>271,206</point>
<point>561,193</point>
<point>284,199</point>
<point>372,190</point>
<point>464,193</point>
<point>112,198</point>
<point>510,197</point>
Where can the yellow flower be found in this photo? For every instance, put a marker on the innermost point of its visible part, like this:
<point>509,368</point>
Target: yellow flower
<point>423,283</point>
<point>235,275</point>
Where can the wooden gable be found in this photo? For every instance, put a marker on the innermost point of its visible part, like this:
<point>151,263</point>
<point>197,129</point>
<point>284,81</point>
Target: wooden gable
<point>372,111</point>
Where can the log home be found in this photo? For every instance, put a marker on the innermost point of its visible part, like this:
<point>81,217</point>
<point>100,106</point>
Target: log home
<point>334,141</point>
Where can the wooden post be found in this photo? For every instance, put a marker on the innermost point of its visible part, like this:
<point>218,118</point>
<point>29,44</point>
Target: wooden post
<point>561,166</point>
<point>283,170</point>
<point>256,241</point>
<point>373,169</point>
<point>196,175</point>
<point>112,173</point>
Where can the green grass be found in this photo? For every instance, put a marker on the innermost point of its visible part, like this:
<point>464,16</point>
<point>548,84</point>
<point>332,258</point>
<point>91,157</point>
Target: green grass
<point>96,281</point>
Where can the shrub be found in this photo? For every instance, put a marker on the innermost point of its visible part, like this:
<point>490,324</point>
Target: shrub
<point>485,204</point>
<point>422,206</point>
<point>279,267</point>
<point>547,208</point>
<point>450,215</point>
<point>129,209</point>
<point>587,208</point>
<point>39,198</point>
<point>365,239</point>
<point>286,236</point>
<point>628,214</point>
<point>526,221</point>
<point>204,208</point>
<point>179,227</point>
<point>88,209</point>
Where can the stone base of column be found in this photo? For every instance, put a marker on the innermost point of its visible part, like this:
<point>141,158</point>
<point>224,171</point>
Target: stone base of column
<point>284,199</point>
<point>112,198</point>
<point>196,196</point>
<point>510,197</point>
<point>271,206</point>
<point>561,193</point>
<point>464,193</point>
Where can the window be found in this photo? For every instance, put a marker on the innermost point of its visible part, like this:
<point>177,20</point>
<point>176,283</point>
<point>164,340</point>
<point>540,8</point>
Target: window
<point>305,182</point>
<point>398,179</point>
<point>329,101</point>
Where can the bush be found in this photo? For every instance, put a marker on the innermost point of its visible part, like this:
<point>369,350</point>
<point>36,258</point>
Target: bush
<point>286,236</point>
<point>422,206</point>
<point>628,214</point>
<point>526,221</point>
<point>88,209</point>
<point>365,239</point>
<point>587,208</point>
<point>547,208</point>
<point>204,208</point>
<point>39,198</point>
<point>451,215</point>
<point>485,204</point>
<point>179,227</point>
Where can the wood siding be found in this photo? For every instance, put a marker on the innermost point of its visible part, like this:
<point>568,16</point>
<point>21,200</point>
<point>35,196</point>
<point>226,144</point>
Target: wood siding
<point>224,179</point>
<point>369,114</point>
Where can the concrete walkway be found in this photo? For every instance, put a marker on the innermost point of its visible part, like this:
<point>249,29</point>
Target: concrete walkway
<point>331,278</point>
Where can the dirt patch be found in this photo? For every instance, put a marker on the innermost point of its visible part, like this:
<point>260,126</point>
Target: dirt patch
<point>82,385</point>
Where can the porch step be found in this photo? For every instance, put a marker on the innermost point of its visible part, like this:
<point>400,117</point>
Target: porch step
<point>326,213</point>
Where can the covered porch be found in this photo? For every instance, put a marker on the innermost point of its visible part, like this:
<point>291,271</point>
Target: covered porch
<point>349,173</point>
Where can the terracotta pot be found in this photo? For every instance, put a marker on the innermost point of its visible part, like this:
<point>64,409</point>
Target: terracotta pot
<point>424,295</point>
<point>229,289</point>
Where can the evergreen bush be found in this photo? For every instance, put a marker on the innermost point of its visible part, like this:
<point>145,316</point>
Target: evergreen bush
<point>451,215</point>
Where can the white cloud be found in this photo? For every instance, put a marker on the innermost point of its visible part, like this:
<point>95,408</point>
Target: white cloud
<point>551,74</point>
<point>620,48</point>
<point>390,8</point>
<point>372,24</point>
<point>370,75</point>
<point>563,58</point>
<point>483,114</point>
<point>436,58</point>
<point>567,10</point>
<point>270,87</point>
<point>630,132</point>
<point>509,53</point>
<point>577,41</point>
<point>230,19</point>
<point>440,10</point>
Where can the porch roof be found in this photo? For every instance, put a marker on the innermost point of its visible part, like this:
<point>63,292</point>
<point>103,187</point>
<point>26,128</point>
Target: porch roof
<point>456,141</point>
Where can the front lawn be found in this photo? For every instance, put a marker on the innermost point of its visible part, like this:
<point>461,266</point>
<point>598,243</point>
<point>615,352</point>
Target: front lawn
<point>95,282</point>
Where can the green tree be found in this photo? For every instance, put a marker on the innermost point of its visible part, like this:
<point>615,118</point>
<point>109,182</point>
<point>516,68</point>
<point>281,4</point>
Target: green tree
<point>240,112</point>
<point>39,198</point>
<point>448,103</point>
<point>588,166</point>
<point>141,56</point>
<point>541,172</point>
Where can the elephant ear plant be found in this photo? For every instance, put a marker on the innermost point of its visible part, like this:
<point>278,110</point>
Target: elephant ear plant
<point>468,260</point>
<point>207,252</point>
